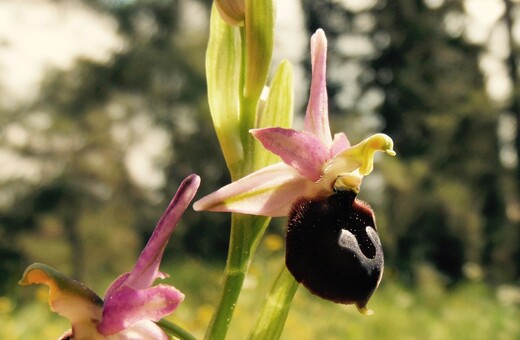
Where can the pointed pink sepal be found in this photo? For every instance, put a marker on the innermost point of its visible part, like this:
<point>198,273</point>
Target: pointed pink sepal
<point>129,298</point>
<point>147,266</point>
<point>339,144</point>
<point>301,150</point>
<point>269,191</point>
<point>317,115</point>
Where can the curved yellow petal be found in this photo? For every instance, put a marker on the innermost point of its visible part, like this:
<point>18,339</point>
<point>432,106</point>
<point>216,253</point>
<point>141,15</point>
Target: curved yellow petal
<point>346,170</point>
<point>69,298</point>
<point>363,152</point>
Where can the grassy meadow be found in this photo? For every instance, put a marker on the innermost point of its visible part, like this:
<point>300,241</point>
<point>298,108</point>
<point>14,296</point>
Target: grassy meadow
<point>467,311</point>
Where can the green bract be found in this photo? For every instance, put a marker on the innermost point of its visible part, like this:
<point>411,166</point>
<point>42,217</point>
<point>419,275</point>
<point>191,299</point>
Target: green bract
<point>259,42</point>
<point>237,65</point>
<point>277,111</point>
<point>223,74</point>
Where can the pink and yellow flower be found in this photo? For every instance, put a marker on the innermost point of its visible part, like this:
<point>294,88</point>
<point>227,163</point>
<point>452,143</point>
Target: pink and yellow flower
<point>314,164</point>
<point>332,245</point>
<point>131,305</point>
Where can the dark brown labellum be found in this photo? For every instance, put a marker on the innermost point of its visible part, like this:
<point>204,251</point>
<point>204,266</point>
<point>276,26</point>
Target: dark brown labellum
<point>333,248</point>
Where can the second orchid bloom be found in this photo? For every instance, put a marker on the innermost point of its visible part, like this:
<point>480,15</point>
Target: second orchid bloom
<point>332,243</point>
<point>132,303</point>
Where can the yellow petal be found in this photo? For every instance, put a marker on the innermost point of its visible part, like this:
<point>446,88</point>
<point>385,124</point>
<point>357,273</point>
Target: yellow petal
<point>346,169</point>
<point>69,298</point>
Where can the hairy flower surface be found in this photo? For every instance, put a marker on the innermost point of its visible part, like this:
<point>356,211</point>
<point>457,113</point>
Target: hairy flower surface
<point>131,305</point>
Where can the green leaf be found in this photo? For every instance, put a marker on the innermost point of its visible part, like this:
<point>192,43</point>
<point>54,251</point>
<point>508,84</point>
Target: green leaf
<point>259,43</point>
<point>271,320</point>
<point>278,110</point>
<point>246,232</point>
<point>223,65</point>
<point>173,329</point>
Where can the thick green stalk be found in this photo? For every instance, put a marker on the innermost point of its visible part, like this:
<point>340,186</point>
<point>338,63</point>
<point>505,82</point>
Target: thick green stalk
<point>248,116</point>
<point>246,232</point>
<point>274,311</point>
<point>252,61</point>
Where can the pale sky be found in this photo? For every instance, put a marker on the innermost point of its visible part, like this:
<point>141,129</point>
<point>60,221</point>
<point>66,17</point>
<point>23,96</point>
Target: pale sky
<point>38,35</point>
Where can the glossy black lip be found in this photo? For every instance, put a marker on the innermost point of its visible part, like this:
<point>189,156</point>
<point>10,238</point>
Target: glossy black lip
<point>333,248</point>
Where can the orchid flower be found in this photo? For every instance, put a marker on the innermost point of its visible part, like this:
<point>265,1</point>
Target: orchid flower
<point>332,245</point>
<point>313,163</point>
<point>132,305</point>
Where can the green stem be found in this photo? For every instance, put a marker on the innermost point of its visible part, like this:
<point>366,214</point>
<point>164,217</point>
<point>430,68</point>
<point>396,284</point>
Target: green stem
<point>248,107</point>
<point>246,231</point>
<point>175,330</point>
<point>274,311</point>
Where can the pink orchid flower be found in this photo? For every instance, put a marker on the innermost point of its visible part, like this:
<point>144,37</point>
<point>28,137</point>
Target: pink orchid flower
<point>313,163</point>
<point>132,304</point>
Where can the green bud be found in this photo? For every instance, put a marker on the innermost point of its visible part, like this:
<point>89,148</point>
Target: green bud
<point>259,43</point>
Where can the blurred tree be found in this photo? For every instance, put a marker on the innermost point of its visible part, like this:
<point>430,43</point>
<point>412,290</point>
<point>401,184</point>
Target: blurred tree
<point>514,106</point>
<point>511,141</point>
<point>444,194</point>
<point>171,57</point>
<point>89,209</point>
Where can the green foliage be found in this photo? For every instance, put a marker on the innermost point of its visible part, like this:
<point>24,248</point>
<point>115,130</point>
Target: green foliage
<point>276,111</point>
<point>223,62</point>
<point>468,310</point>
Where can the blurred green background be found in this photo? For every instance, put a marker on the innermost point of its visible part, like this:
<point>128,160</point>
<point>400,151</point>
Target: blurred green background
<point>104,112</point>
